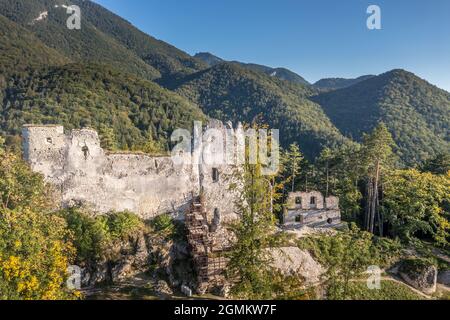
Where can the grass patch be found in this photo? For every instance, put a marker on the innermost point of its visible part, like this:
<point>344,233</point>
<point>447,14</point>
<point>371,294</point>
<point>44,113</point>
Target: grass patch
<point>390,290</point>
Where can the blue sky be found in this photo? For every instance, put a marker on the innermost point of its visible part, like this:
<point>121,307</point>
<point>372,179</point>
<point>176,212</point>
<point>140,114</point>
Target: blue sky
<point>315,38</point>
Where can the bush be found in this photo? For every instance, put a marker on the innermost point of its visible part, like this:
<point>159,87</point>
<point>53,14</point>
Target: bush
<point>94,236</point>
<point>163,222</point>
<point>35,247</point>
<point>90,235</point>
<point>123,224</point>
<point>347,255</point>
<point>169,228</point>
<point>380,251</point>
<point>415,265</point>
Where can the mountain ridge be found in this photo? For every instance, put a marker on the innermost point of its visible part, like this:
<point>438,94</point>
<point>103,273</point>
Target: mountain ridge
<point>280,73</point>
<point>230,92</point>
<point>339,83</point>
<point>416,112</point>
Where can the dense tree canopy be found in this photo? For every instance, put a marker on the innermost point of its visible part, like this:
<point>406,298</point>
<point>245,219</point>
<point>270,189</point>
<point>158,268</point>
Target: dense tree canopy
<point>35,246</point>
<point>76,96</point>
<point>416,113</point>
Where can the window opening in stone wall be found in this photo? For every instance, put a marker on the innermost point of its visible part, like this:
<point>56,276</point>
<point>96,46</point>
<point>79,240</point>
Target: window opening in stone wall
<point>85,150</point>
<point>215,175</point>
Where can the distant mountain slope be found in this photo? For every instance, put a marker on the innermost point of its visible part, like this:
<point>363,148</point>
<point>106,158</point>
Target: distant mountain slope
<point>104,38</point>
<point>94,95</point>
<point>339,83</point>
<point>162,56</point>
<point>21,50</point>
<point>208,58</point>
<point>228,91</point>
<point>280,73</point>
<point>416,112</point>
<point>47,20</point>
<point>35,86</point>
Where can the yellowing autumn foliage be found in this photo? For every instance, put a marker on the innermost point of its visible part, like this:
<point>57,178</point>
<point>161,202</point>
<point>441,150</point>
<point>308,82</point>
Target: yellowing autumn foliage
<point>35,245</point>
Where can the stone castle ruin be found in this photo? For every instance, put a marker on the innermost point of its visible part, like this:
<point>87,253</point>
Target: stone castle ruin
<point>85,174</point>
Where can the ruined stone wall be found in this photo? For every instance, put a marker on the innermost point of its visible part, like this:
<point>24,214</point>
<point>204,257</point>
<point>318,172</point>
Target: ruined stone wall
<point>84,174</point>
<point>301,210</point>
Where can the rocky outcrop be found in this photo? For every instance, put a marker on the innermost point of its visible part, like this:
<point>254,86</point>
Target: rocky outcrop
<point>124,259</point>
<point>420,274</point>
<point>444,278</point>
<point>294,261</point>
<point>173,261</point>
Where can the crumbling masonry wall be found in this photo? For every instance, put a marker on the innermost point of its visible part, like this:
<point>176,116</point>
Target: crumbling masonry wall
<point>311,209</point>
<point>85,174</point>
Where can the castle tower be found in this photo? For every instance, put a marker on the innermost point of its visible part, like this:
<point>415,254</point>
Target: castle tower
<point>44,147</point>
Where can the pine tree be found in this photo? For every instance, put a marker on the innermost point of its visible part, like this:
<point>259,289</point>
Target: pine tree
<point>108,139</point>
<point>249,265</point>
<point>377,157</point>
<point>294,159</point>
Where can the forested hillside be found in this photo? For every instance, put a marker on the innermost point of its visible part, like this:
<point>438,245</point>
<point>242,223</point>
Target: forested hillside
<point>230,92</point>
<point>280,73</point>
<point>104,37</point>
<point>96,96</point>
<point>21,50</point>
<point>34,36</point>
<point>339,83</point>
<point>415,112</point>
<point>160,55</point>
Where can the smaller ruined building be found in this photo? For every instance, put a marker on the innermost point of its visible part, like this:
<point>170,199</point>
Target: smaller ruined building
<point>311,209</point>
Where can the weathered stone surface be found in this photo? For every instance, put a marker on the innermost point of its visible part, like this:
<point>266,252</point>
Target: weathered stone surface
<point>121,271</point>
<point>444,278</point>
<point>186,291</point>
<point>85,174</point>
<point>294,261</point>
<point>122,260</point>
<point>162,289</point>
<point>99,274</point>
<point>419,274</point>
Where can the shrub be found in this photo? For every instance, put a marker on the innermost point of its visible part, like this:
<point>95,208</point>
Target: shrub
<point>163,223</point>
<point>90,235</point>
<point>35,247</point>
<point>94,236</point>
<point>34,255</point>
<point>347,255</point>
<point>415,265</point>
<point>123,224</point>
<point>169,228</point>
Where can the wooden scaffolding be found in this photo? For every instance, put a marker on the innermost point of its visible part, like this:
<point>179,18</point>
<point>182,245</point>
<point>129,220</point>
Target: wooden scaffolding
<point>208,255</point>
